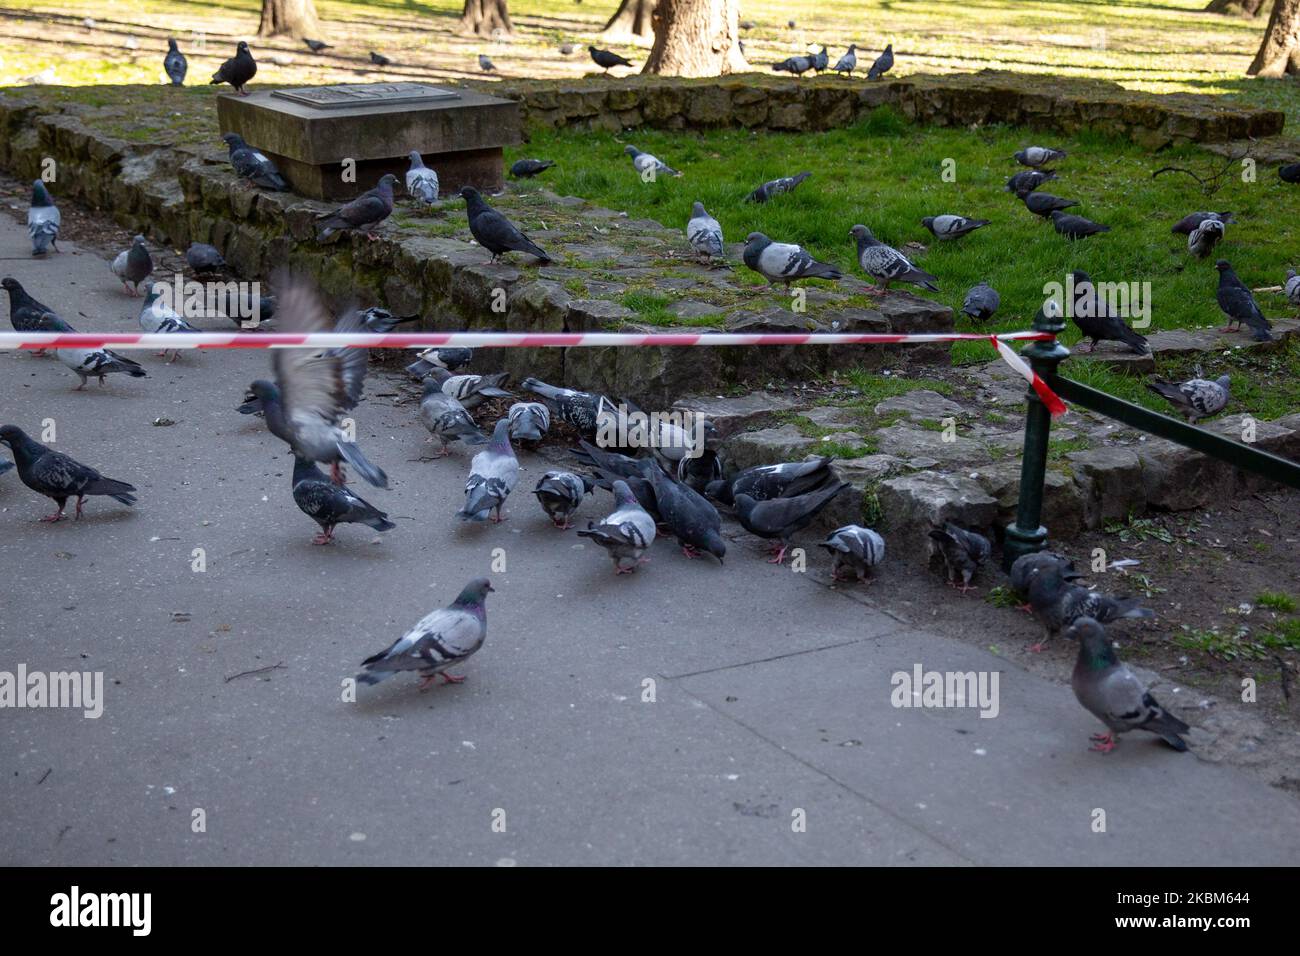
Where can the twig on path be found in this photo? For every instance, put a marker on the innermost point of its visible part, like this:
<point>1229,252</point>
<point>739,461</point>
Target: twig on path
<point>260,670</point>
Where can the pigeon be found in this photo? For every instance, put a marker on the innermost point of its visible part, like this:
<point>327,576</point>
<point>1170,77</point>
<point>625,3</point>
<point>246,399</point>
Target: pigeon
<point>856,550</point>
<point>704,233</point>
<point>253,165</point>
<point>421,181</point>
<point>821,60</point>
<point>1116,696</point>
<point>1289,173</point>
<point>529,421</point>
<point>133,265</point>
<point>1094,319</point>
<point>1026,566</point>
<point>566,49</point>
<point>24,311</point>
<point>88,363</point>
<point>1075,227</point>
<point>365,212</point>
<point>236,71</point>
<point>981,302</point>
<point>382,321</point>
<point>1058,602</point>
<point>884,63</point>
<point>952,227</point>
<point>157,316</point>
<point>43,221</point>
<point>606,60</point>
<point>329,504</point>
<point>699,471</point>
<point>494,232</point>
<point>378,59</point>
<point>470,390</point>
<point>560,494</point>
<point>1205,237</point>
<point>886,264</point>
<point>241,308</point>
<point>1188,223</point>
<point>764,482</point>
<point>1035,156</point>
<point>1196,398</point>
<point>447,419</point>
<point>316,46</point>
<point>441,640</point>
<point>775,187</point>
<point>784,261</point>
<point>609,467</point>
<point>1292,287</point>
<point>1238,303</point>
<point>492,476</point>
<point>204,259</point>
<point>55,475</point>
<point>963,552</point>
<point>528,168</point>
<point>1044,204</point>
<point>648,166</point>
<point>582,410</point>
<point>848,62</point>
<point>429,359</point>
<point>175,64</point>
<point>779,518</point>
<point>1028,181</point>
<point>626,533</point>
<point>798,65</point>
<point>485,64</point>
<point>688,515</point>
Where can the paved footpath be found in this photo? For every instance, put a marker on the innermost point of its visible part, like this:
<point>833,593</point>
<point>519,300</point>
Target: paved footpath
<point>772,691</point>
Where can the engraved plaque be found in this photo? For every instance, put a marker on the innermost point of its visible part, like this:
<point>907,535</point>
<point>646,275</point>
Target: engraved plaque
<point>348,96</point>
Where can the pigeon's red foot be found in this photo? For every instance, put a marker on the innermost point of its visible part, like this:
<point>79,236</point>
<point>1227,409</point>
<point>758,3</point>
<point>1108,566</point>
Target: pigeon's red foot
<point>1035,648</point>
<point>1026,607</point>
<point>1229,328</point>
<point>337,475</point>
<point>495,517</point>
<point>325,537</point>
<point>689,551</point>
<point>778,554</point>
<point>57,516</point>
<point>619,569</point>
<point>451,678</point>
<point>80,504</point>
<point>1104,744</point>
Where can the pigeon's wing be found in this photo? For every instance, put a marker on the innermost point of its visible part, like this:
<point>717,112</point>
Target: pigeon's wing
<point>1120,698</point>
<point>313,388</point>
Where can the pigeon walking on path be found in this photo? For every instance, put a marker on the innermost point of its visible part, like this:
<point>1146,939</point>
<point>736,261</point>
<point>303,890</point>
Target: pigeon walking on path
<point>981,302</point>
<point>856,551</point>
<point>1036,156</point>
<point>329,504</point>
<point>1057,602</point>
<point>704,233</point>
<point>1044,204</point>
<point>440,641</point>
<point>421,181</point>
<point>493,473</point>
<point>1092,315</point>
<point>56,476</point>
<point>1075,227</point>
<point>607,60</point>
<point>776,187</point>
<point>1238,304</point>
<point>886,264</point>
<point>560,494</point>
<point>446,419</point>
<point>24,312</point>
<point>253,165</point>
<point>848,62</point>
<point>133,265</point>
<point>884,63</point>
<point>779,519</point>
<point>238,70</point>
<point>43,220</point>
<point>647,165</point>
<point>626,533</point>
<point>494,232</point>
<point>156,316</point>
<point>1196,398</point>
<point>690,517</point>
<point>962,551</point>
<point>175,65</point>
<point>784,261</point>
<point>88,363</point>
<point>447,359</point>
<point>363,213</point>
<point>952,227</point>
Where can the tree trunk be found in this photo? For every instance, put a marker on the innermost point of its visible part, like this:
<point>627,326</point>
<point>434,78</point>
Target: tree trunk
<point>632,18</point>
<point>296,18</point>
<point>697,38</point>
<point>486,18</point>
<point>1279,54</point>
<point>1247,8</point>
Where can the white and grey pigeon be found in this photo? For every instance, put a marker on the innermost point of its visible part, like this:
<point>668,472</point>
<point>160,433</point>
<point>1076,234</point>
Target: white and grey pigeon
<point>648,166</point>
<point>438,642</point>
<point>784,261</point>
<point>856,550</point>
<point>492,476</point>
<point>43,220</point>
<point>421,181</point>
<point>381,321</point>
<point>175,64</point>
<point>952,227</point>
<point>446,419</point>
<point>848,62</point>
<point>1196,398</point>
<point>560,493</point>
<point>582,410</point>
<point>88,363</point>
<point>157,316</point>
<point>1189,222</point>
<point>775,187</point>
<point>529,421</point>
<point>1202,240</point>
<point>1058,602</point>
<point>704,233</point>
<point>1292,287</point>
<point>626,533</point>
<point>981,302</point>
<point>963,552</point>
<point>429,359</point>
<point>470,390</point>
<point>133,265</point>
<point>885,264</point>
<point>1035,156</point>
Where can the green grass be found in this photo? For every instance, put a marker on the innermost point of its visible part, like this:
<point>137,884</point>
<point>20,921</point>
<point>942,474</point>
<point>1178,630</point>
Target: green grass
<point>1276,602</point>
<point>1242,643</point>
<point>873,388</point>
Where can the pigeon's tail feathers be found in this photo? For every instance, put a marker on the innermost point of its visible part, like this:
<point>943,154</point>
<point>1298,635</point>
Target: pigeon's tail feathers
<point>1166,725</point>
<point>372,473</point>
<point>379,522</point>
<point>823,270</point>
<point>373,677</point>
<point>1136,342</point>
<point>491,391</point>
<point>1169,391</point>
<point>533,249</point>
<point>114,489</point>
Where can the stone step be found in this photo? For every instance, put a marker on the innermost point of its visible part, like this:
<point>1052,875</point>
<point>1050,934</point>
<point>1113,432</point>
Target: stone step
<point>1180,343</point>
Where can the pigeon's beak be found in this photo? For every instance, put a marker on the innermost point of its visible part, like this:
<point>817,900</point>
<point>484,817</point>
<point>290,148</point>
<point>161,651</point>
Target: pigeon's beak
<point>490,587</point>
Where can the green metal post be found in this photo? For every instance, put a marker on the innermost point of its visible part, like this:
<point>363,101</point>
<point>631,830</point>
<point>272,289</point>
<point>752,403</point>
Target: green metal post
<point>1026,534</point>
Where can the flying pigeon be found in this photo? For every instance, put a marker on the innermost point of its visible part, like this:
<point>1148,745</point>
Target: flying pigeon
<point>779,518</point>
<point>133,265</point>
<point>1075,227</point>
<point>175,64</point>
<point>1112,693</point>
<point>485,64</point>
<point>952,227</point>
<point>421,181</point>
<point>365,212</point>
<point>470,390</point>
<point>441,640</point>
<point>329,504</point>
<point>88,363</point>
<point>704,233</point>
<point>447,419</point>
<point>1026,566</point>
<point>648,166</point>
<point>55,475</point>
<point>626,533</point>
<point>1044,204</point>
<point>529,421</point>
<point>43,221</point>
<point>560,493</point>
<point>157,316</point>
<point>1238,303</point>
<point>775,187</point>
<point>378,59</point>
<point>1205,237</point>
<point>784,261</point>
<point>381,321</point>
<point>886,264</point>
<point>848,62</point>
<point>204,259</point>
<point>238,70</point>
<point>429,359</point>
<point>1197,397</point>
<point>253,165</point>
<point>494,232</point>
<point>316,46</point>
<point>981,302</point>
<point>1292,287</point>
<point>1058,602</point>
<point>963,552</point>
<point>688,515</point>
<point>1094,319</point>
<point>582,410</point>
<point>798,65</point>
<point>884,63</point>
<point>528,168</point>
<point>856,550</point>
<point>606,60</point>
<point>1289,173</point>
<point>785,480</point>
<point>1028,181</point>
<point>1035,156</point>
<point>1188,223</point>
<point>492,476</point>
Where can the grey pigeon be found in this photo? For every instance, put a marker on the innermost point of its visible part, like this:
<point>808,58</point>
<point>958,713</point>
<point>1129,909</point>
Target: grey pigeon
<point>1292,287</point>
<point>529,421</point>
<point>690,517</point>
<point>494,232</point>
<point>648,166</point>
<point>316,46</point>
<point>784,261</point>
<point>981,302</point>
<point>253,165</point>
<point>1075,227</point>
<point>43,221</point>
<point>382,321</point>
<point>821,60</point>
<point>626,533</point>
<point>446,419</point>
<point>1116,696</point>
<point>329,504</point>
<point>156,316</point>
<point>470,390</point>
<point>856,551</point>
<point>699,471</point>
<point>204,259</point>
<point>952,227</point>
<point>133,265</point>
<point>798,65</point>
<point>1289,173</point>
<point>776,187</point>
<point>88,363</point>
<point>1044,204</point>
<point>1058,602</point>
<point>886,264</point>
<point>848,62</point>
<point>566,49</point>
<point>1189,222</point>
<point>528,168</point>
<point>582,410</point>
<point>429,359</point>
<point>560,494</point>
<point>1196,398</point>
<point>609,467</point>
<point>1092,315</point>
<point>704,233</point>
<point>440,640</point>
<point>884,63</point>
<point>175,64</point>
<point>963,552</point>
<point>1028,181</point>
<point>606,60</point>
<point>1238,304</point>
<point>1205,237</point>
<point>492,476</point>
<point>1036,156</point>
<point>364,213</point>
<point>24,312</point>
<point>785,480</point>
<point>421,181</point>
<point>378,59</point>
<point>238,70</point>
<point>241,307</point>
<point>56,476</point>
<point>1026,566</point>
<point>778,519</point>
<point>485,64</point>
